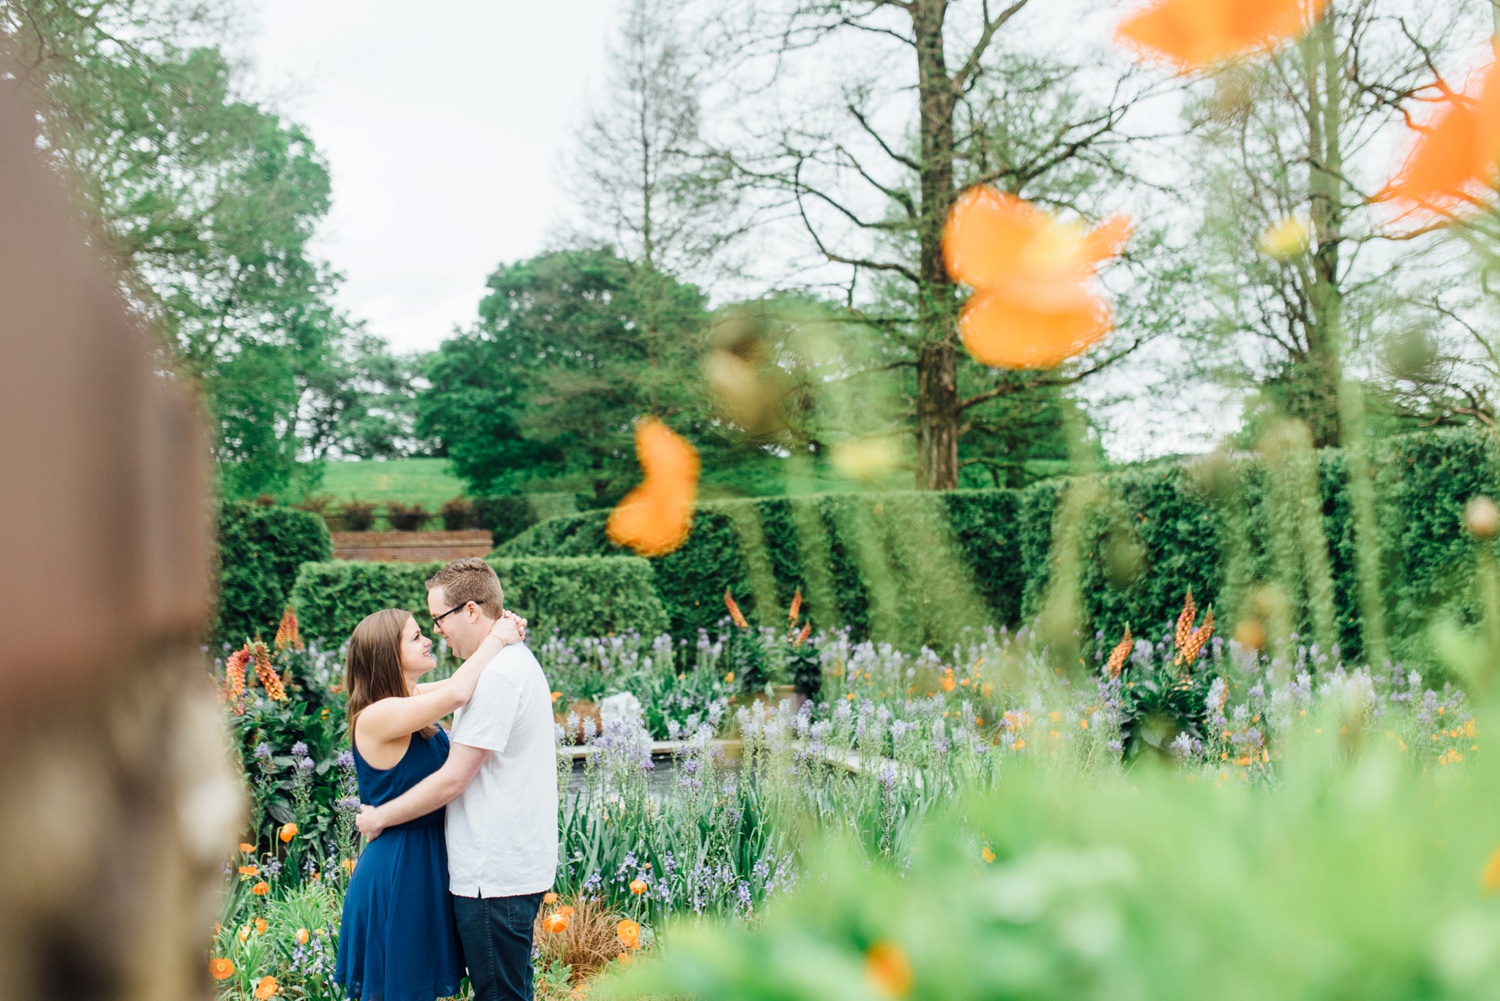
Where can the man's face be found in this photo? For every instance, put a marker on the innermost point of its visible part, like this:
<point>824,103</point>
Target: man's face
<point>463,628</point>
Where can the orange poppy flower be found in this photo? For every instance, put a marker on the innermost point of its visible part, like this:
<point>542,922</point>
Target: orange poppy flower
<point>261,889</point>
<point>220,968</point>
<point>288,832</point>
<point>1490,878</point>
<point>261,925</point>
<point>550,898</point>
<point>1195,33</point>
<point>1453,159</point>
<point>1032,306</point>
<point>637,886</point>
<point>565,911</point>
<point>629,933</point>
<point>246,847</point>
<point>301,937</point>
<point>266,988</point>
<point>655,518</point>
<point>249,870</point>
<point>555,924</point>
<point>888,969</point>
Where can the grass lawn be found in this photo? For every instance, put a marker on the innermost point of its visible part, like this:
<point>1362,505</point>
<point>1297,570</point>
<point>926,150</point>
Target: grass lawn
<point>428,482</point>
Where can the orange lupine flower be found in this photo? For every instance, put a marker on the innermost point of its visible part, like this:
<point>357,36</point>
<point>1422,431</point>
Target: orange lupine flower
<point>266,988</point>
<point>261,925</point>
<point>1453,159</point>
<point>637,887</point>
<point>288,832</point>
<point>796,609</point>
<point>1118,655</point>
<point>550,898</point>
<point>555,924</point>
<point>803,635</point>
<point>287,633</point>
<point>220,968</point>
<point>735,615</point>
<point>888,969</point>
<point>266,674</point>
<point>234,674</point>
<point>1196,33</point>
<point>629,933</point>
<point>654,519</point>
<point>1032,307</point>
<point>261,889</point>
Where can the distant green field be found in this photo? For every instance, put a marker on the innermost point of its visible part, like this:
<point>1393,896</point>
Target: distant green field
<point>428,482</point>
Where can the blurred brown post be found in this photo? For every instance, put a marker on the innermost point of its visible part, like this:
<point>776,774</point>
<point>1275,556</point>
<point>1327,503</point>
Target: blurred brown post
<point>117,801</point>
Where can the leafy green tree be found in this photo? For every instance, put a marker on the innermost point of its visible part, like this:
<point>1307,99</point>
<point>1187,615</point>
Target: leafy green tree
<point>570,348</point>
<point>204,199</point>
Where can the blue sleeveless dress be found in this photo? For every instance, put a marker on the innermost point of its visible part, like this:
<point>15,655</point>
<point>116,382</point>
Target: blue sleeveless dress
<point>398,940</point>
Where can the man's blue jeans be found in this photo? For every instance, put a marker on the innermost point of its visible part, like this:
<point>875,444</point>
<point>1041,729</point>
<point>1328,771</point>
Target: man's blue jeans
<point>496,935</point>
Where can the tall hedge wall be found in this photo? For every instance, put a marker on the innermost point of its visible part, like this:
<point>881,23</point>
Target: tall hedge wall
<point>590,596</point>
<point>509,516</point>
<point>903,566</point>
<point>260,552</point>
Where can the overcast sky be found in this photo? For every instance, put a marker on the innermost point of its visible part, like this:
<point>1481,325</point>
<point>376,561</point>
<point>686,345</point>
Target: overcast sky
<point>443,132</point>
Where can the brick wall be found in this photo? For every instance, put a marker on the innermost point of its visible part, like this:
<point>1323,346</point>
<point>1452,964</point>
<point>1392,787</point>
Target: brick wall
<point>410,547</point>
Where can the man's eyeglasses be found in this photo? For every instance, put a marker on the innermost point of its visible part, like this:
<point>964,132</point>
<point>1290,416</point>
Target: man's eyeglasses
<point>437,619</point>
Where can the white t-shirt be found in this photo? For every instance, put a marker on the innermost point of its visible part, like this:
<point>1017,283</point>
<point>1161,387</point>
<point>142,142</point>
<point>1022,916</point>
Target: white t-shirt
<point>502,830</point>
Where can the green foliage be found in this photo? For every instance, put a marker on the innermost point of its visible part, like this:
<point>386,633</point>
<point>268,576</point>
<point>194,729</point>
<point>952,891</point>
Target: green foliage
<point>507,517</point>
<point>909,567</point>
<point>745,656</point>
<point>580,596</point>
<point>260,552</point>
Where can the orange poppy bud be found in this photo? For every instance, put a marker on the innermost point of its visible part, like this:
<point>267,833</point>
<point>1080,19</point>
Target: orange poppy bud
<point>629,933</point>
<point>261,889</point>
<point>261,925</point>
<point>637,886</point>
<point>888,969</point>
<point>266,988</point>
<point>301,937</point>
<point>655,518</point>
<point>555,924</point>
<point>220,968</point>
<point>288,832</point>
<point>549,899</point>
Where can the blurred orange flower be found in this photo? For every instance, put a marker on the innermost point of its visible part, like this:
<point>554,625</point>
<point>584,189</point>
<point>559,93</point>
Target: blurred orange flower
<point>261,925</point>
<point>348,865</point>
<point>266,988</point>
<point>1032,307</point>
<point>549,898</point>
<point>220,968</point>
<point>1490,879</point>
<point>288,832</point>
<point>565,911</point>
<point>629,933</point>
<point>556,924</point>
<point>987,853</point>
<point>301,937</point>
<point>249,870</point>
<point>637,887</point>
<point>1195,33</point>
<point>261,889</point>
<point>1453,160</point>
<point>888,969</point>
<point>654,519</point>
<point>246,847</point>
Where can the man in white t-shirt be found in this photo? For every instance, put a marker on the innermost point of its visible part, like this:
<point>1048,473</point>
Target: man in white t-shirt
<point>500,786</point>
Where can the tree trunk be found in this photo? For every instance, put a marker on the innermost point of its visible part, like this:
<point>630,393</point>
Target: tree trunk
<point>937,370</point>
<point>1319,379</point>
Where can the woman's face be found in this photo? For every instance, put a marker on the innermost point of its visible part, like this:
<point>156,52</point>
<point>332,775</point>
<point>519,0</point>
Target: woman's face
<point>416,651</point>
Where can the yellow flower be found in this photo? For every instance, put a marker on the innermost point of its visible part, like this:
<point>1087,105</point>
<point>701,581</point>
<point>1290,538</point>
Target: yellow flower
<point>288,832</point>
<point>220,968</point>
<point>987,854</point>
<point>888,969</point>
<point>1285,240</point>
<point>266,988</point>
<point>729,678</point>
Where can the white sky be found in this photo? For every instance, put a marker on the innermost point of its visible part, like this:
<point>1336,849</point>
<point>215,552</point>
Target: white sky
<point>443,126</point>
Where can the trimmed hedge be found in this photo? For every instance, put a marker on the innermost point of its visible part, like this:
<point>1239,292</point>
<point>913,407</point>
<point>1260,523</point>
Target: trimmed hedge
<point>917,566</point>
<point>260,550</point>
<point>507,517</point>
<point>581,596</point>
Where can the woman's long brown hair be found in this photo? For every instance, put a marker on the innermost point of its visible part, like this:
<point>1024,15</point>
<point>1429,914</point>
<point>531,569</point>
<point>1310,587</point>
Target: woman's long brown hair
<point>372,667</point>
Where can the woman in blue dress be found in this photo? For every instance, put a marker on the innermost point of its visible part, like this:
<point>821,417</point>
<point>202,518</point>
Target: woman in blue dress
<point>398,940</point>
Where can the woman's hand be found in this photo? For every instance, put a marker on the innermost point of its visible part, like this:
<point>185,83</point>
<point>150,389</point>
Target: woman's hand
<point>509,628</point>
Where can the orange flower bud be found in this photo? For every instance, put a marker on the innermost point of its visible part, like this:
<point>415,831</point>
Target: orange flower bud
<point>288,832</point>
<point>888,969</point>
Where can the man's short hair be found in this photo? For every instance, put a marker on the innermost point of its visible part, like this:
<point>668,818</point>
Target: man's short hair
<point>470,579</point>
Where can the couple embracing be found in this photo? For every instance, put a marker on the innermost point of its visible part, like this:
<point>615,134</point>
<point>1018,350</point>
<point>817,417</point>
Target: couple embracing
<point>462,830</point>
